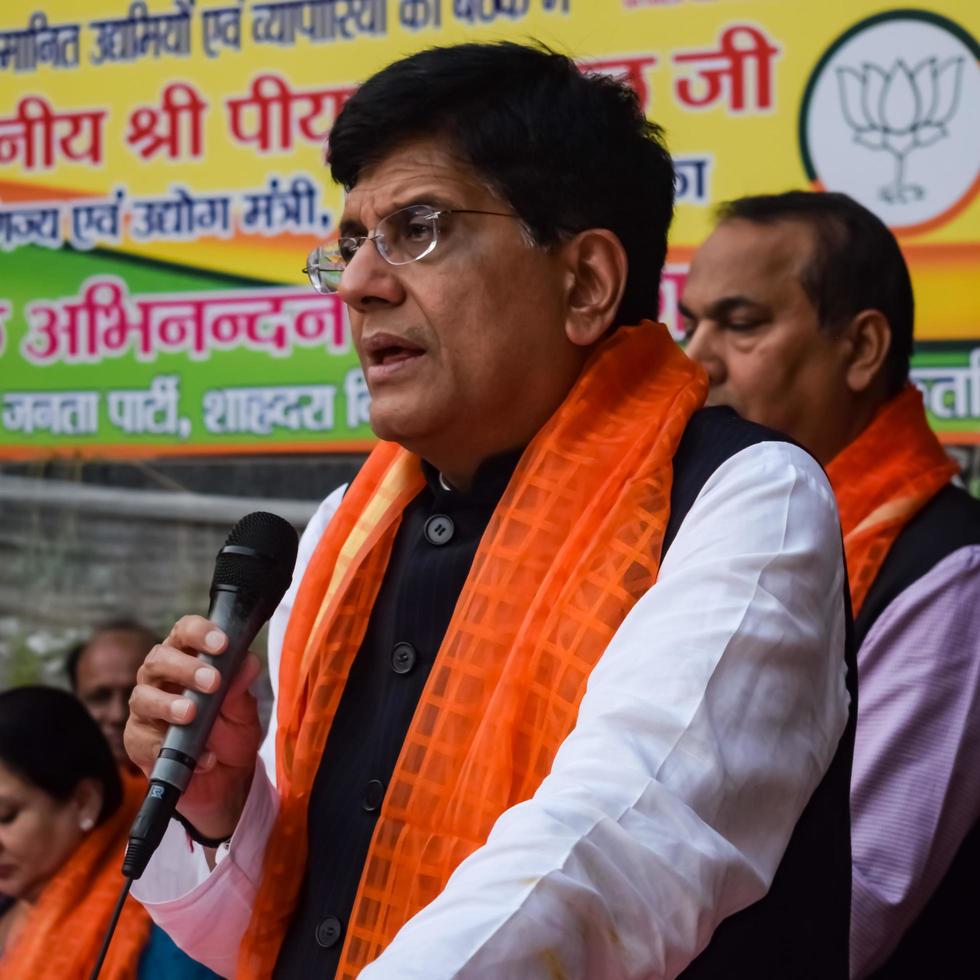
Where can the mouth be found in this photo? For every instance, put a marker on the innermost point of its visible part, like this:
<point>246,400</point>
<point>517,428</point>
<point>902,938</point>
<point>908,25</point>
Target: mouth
<point>7,871</point>
<point>387,354</point>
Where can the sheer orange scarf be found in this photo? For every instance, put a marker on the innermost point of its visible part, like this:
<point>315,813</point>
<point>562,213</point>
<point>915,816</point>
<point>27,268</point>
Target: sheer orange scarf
<point>881,481</point>
<point>61,937</point>
<point>573,544</point>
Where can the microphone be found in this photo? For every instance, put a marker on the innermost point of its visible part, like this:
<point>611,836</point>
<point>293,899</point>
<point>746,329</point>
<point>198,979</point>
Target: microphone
<point>251,575</point>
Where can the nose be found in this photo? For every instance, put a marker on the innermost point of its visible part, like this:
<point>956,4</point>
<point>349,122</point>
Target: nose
<point>369,281</point>
<point>703,347</point>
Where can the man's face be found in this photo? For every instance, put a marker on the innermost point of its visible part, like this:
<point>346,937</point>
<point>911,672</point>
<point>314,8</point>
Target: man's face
<point>464,351</point>
<point>106,677</point>
<point>750,323</point>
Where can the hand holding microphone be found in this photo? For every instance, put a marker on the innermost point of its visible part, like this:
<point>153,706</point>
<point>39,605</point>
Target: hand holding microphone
<point>192,711</point>
<point>214,797</point>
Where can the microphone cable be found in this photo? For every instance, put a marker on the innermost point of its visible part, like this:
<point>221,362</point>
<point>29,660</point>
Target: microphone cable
<point>113,922</point>
<point>251,575</point>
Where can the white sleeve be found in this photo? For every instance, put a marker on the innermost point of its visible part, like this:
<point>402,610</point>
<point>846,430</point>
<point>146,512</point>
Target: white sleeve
<point>207,911</point>
<point>277,624</point>
<point>705,728</point>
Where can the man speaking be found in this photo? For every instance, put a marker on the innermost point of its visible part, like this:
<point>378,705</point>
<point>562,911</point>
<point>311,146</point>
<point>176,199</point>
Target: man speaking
<point>561,676</point>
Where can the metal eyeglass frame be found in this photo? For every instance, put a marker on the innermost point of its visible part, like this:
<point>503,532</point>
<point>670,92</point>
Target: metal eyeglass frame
<point>337,262</point>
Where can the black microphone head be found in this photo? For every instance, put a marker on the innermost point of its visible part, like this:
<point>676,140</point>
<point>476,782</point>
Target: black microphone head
<point>258,557</point>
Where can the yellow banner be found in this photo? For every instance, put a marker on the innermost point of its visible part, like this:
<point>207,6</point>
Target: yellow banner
<point>162,161</point>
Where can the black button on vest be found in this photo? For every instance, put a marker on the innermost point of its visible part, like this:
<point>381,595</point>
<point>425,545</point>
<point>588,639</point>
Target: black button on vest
<point>328,932</point>
<point>412,610</point>
<point>403,658</point>
<point>374,794</point>
<point>439,529</point>
<point>801,926</point>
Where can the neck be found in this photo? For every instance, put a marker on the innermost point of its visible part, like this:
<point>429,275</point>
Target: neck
<point>855,419</point>
<point>31,898</point>
<point>458,450</point>
<point>459,460</point>
<point>11,921</point>
<point>461,478</point>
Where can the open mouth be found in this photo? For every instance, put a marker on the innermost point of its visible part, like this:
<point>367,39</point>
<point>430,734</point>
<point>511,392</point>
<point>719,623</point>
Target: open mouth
<point>385,353</point>
<point>388,356</point>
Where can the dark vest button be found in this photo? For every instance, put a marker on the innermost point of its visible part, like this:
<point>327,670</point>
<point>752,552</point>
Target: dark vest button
<point>403,658</point>
<point>328,932</point>
<point>374,795</point>
<point>439,529</point>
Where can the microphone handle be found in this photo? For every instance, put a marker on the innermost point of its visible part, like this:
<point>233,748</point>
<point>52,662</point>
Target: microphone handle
<point>240,618</point>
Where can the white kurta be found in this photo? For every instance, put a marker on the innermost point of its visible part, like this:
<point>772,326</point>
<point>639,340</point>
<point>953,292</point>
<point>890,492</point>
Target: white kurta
<point>706,726</point>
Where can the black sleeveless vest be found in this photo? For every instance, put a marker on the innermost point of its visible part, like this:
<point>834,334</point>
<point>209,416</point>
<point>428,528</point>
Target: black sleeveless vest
<point>940,943</point>
<point>799,930</point>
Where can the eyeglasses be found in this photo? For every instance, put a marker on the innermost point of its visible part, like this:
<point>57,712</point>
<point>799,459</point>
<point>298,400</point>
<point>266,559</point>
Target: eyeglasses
<point>406,236</point>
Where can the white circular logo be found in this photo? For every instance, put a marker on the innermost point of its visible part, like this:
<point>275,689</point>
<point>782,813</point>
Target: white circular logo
<point>889,117</point>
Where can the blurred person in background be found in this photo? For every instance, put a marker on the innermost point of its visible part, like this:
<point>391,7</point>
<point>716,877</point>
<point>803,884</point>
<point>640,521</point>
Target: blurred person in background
<point>64,818</point>
<point>800,308</point>
<point>102,673</point>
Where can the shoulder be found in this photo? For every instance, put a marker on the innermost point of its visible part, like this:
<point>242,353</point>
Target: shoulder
<point>932,555</point>
<point>308,541</point>
<point>310,538</point>
<point>936,615</point>
<point>326,510</point>
<point>948,522</point>
<point>716,433</point>
<point>714,436</point>
<point>952,513</point>
<point>769,498</point>
<point>723,455</point>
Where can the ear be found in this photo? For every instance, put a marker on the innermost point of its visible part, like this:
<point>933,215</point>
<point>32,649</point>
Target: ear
<point>87,798</point>
<point>870,340</point>
<point>596,267</point>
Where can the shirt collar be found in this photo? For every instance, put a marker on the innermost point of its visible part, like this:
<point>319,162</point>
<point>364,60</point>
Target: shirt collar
<point>489,481</point>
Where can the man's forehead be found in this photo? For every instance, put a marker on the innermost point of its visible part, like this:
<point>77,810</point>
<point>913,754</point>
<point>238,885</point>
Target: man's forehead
<point>112,652</point>
<point>742,254</point>
<point>418,168</point>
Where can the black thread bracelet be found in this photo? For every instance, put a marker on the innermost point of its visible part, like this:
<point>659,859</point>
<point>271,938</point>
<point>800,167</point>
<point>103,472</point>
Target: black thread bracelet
<point>196,836</point>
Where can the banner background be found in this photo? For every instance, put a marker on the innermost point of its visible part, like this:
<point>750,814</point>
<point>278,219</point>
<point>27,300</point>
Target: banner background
<point>187,341</point>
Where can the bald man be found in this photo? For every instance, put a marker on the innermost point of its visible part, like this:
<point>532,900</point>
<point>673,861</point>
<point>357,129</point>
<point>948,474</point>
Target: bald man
<point>800,308</point>
<point>102,673</point>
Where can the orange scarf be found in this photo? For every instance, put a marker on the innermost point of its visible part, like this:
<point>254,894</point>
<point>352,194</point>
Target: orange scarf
<point>882,480</point>
<point>572,545</point>
<point>62,935</point>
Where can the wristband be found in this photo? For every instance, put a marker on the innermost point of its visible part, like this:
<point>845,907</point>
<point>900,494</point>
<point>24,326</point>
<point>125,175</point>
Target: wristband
<point>196,836</point>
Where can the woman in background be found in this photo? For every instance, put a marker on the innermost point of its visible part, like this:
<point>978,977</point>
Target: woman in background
<point>64,818</point>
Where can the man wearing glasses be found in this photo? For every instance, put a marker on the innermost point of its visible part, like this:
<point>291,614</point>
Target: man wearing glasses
<point>561,676</point>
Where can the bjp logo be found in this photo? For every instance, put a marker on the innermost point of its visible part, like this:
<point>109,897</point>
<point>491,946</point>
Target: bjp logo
<point>881,119</point>
<point>901,110</point>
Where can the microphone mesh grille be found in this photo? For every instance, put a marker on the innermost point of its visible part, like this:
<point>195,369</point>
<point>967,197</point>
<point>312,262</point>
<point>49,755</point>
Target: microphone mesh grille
<point>267,574</point>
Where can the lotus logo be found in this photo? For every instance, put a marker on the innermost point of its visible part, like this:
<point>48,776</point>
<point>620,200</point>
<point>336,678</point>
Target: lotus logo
<point>884,118</point>
<point>900,110</point>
